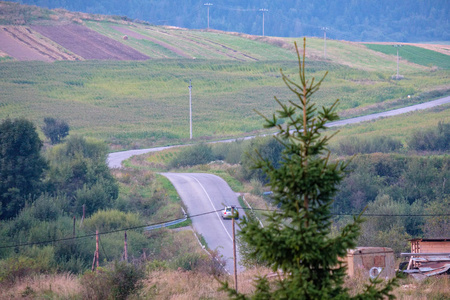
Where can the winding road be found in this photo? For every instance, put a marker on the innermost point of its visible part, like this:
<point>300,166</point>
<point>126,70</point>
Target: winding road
<point>206,194</point>
<point>115,159</point>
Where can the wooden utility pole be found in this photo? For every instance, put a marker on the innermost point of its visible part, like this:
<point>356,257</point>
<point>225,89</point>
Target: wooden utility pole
<point>125,248</point>
<point>234,251</point>
<point>82,218</point>
<point>96,252</point>
<point>73,234</point>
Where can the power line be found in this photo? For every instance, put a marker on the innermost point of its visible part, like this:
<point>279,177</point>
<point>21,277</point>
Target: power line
<point>373,215</point>
<point>100,233</point>
<point>202,214</point>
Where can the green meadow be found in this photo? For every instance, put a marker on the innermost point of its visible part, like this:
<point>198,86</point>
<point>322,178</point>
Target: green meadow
<point>135,104</point>
<point>415,55</point>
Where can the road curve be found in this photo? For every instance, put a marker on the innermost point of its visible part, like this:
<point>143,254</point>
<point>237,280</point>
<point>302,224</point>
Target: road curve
<point>115,159</point>
<point>205,196</point>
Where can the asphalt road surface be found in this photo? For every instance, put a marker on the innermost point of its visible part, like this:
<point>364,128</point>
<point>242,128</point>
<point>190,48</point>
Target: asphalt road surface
<point>205,195</point>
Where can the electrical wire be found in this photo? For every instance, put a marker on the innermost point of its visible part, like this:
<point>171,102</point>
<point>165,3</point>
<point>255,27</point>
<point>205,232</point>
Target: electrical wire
<point>202,214</point>
<point>100,233</point>
<point>374,215</point>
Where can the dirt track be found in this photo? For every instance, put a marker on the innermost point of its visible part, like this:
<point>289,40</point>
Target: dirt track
<point>88,43</point>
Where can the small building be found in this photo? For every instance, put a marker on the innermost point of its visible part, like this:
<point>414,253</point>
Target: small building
<point>372,261</point>
<point>437,245</point>
<point>428,257</point>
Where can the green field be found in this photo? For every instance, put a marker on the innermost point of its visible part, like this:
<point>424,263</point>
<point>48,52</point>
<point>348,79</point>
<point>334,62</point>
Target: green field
<point>415,55</point>
<point>399,127</point>
<point>135,104</point>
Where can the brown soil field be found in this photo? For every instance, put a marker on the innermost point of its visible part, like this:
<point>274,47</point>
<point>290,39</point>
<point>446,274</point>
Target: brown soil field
<point>89,44</point>
<point>22,43</point>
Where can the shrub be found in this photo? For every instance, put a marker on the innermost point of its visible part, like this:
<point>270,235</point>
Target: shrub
<point>435,139</point>
<point>229,152</point>
<point>118,281</point>
<point>32,261</point>
<point>191,156</point>
<point>189,261</point>
<point>125,279</point>
<point>353,145</point>
<point>268,149</point>
<point>106,220</point>
<point>55,130</point>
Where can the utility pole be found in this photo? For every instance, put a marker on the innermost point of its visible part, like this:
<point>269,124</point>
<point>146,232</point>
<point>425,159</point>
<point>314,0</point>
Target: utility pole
<point>263,10</point>
<point>397,46</point>
<point>325,42</point>
<point>95,261</point>
<point>234,250</point>
<point>73,233</point>
<point>84,214</point>
<point>190,109</point>
<point>125,247</point>
<point>208,5</point>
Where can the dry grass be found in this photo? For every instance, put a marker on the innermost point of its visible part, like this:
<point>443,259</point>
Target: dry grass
<point>182,285</point>
<point>437,287</point>
<point>59,286</point>
<point>188,285</point>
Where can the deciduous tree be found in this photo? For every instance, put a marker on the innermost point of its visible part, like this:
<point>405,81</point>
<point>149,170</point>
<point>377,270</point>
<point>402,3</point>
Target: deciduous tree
<point>21,165</point>
<point>55,130</point>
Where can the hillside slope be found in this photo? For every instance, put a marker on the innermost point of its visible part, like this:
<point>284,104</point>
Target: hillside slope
<point>33,33</point>
<point>135,93</point>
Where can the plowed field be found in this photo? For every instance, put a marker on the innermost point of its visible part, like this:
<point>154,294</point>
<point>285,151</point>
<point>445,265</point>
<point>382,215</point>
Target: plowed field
<point>23,44</point>
<point>89,44</point>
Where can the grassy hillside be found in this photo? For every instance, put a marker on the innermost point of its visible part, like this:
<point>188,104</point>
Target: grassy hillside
<point>147,102</point>
<point>143,103</point>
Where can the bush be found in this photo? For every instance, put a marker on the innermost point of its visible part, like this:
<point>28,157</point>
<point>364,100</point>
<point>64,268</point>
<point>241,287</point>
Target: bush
<point>435,139</point>
<point>269,149</point>
<point>55,130</point>
<point>33,261</point>
<point>353,145</point>
<point>118,281</point>
<point>125,279</point>
<point>229,152</point>
<point>191,156</point>
<point>189,262</point>
<point>106,220</point>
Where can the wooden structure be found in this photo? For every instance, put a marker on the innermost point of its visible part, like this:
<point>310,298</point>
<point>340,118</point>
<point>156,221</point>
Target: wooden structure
<point>428,257</point>
<point>365,259</point>
<point>441,245</point>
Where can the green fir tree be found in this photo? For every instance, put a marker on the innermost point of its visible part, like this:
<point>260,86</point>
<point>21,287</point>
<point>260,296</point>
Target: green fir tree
<point>296,243</point>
